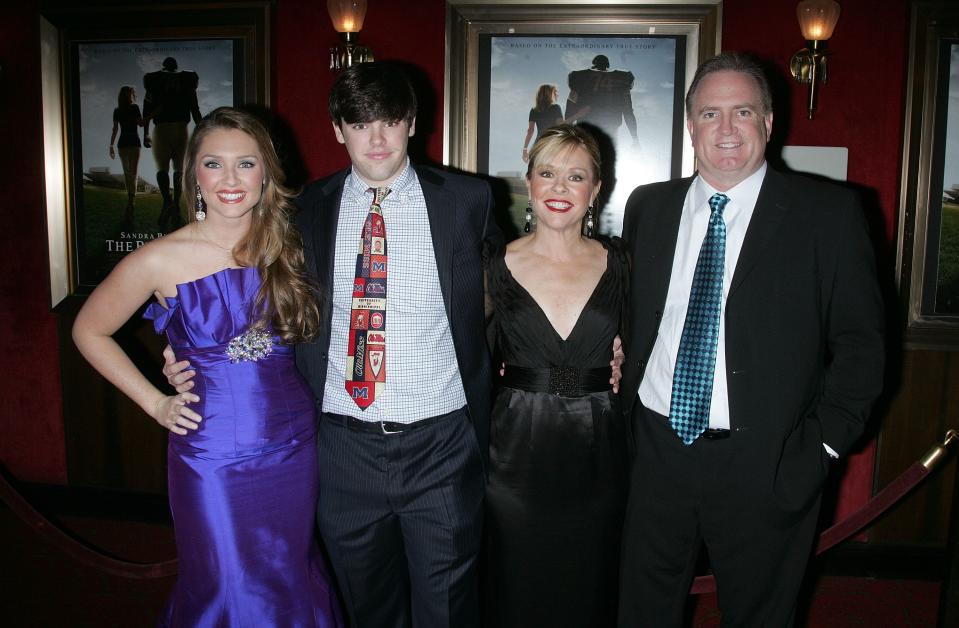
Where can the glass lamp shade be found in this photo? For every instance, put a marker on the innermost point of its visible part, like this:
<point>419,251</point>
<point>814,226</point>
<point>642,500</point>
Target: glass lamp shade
<point>817,18</point>
<point>347,15</point>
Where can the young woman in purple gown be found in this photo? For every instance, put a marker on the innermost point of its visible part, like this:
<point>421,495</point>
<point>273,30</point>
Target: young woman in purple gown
<point>232,297</point>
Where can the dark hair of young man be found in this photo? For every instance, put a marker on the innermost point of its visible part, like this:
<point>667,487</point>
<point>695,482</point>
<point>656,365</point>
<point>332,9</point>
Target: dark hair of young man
<point>366,92</point>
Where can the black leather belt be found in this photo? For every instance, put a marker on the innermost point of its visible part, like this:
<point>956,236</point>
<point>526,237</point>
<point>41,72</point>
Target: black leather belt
<point>561,381</point>
<point>385,427</point>
<point>715,433</point>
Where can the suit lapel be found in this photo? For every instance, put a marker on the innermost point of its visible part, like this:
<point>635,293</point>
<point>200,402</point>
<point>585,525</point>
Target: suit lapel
<point>666,227</point>
<point>324,232</point>
<point>441,210</point>
<point>656,239</point>
<point>771,208</point>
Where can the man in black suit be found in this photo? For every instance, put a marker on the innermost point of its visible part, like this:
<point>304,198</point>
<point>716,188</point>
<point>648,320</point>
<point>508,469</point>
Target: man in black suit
<point>401,460</point>
<point>792,345</point>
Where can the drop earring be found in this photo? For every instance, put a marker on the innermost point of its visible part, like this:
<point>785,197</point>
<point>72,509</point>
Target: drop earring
<point>589,221</point>
<point>529,217</point>
<point>200,206</point>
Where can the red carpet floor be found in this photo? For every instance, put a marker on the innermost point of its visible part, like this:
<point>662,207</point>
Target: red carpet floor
<point>842,602</point>
<point>41,587</point>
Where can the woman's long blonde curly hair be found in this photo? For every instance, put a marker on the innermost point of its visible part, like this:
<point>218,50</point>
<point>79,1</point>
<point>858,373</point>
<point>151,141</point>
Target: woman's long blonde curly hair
<point>287,299</point>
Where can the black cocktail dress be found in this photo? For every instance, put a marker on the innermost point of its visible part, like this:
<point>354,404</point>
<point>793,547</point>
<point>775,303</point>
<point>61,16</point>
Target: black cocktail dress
<point>558,458</point>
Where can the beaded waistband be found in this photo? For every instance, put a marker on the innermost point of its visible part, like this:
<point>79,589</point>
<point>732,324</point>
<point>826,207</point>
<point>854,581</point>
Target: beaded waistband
<point>560,380</point>
<point>249,347</point>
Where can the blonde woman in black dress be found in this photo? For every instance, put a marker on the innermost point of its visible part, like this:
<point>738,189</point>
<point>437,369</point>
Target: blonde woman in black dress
<point>556,494</point>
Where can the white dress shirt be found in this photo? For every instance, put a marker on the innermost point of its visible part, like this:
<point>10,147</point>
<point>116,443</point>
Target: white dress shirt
<point>655,391</point>
<point>422,373</point>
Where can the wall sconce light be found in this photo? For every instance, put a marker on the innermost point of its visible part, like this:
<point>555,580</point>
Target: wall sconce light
<point>347,16</point>
<point>817,20</point>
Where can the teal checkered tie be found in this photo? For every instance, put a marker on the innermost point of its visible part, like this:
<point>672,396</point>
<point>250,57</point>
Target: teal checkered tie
<point>696,360</point>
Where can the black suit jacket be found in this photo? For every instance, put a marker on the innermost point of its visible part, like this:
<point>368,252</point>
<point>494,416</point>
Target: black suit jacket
<point>461,219</point>
<point>804,326</point>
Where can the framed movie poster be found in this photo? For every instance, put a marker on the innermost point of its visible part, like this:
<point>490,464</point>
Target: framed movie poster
<point>625,88</point>
<point>929,215</point>
<point>132,84</point>
<point>946,300</point>
<point>621,69</point>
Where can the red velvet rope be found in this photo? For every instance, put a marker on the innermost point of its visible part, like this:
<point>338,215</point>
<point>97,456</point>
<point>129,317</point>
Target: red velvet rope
<point>74,548</point>
<point>839,532</point>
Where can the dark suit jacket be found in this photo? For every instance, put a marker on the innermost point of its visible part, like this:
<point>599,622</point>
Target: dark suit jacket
<point>461,219</point>
<point>804,326</point>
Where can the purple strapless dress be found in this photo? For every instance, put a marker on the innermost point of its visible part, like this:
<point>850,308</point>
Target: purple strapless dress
<point>243,487</point>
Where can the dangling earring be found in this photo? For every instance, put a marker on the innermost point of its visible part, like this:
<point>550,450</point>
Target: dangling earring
<point>529,216</point>
<point>589,221</point>
<point>200,206</point>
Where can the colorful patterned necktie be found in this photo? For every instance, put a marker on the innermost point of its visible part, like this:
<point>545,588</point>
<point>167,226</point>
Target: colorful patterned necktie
<point>696,359</point>
<point>366,349</point>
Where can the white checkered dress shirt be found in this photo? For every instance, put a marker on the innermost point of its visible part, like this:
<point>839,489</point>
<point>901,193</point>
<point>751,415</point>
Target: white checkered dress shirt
<point>422,375</point>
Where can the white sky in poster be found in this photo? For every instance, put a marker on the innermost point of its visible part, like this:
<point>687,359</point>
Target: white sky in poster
<point>519,65</point>
<point>951,166</point>
<point>105,68</point>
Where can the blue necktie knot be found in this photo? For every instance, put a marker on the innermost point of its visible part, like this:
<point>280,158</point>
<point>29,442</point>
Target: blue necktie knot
<point>717,202</point>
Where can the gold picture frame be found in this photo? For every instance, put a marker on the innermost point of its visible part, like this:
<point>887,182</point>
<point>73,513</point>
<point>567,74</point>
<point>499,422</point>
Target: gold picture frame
<point>68,32</point>
<point>928,238</point>
<point>473,29</point>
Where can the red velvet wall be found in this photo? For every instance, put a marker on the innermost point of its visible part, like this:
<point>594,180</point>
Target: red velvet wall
<point>411,32</point>
<point>31,424</point>
<point>861,108</point>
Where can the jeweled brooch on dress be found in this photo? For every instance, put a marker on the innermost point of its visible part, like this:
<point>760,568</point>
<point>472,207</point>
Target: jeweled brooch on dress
<point>250,346</point>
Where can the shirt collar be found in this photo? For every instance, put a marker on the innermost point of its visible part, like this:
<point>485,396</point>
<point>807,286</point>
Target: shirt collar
<point>400,185</point>
<point>743,194</point>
